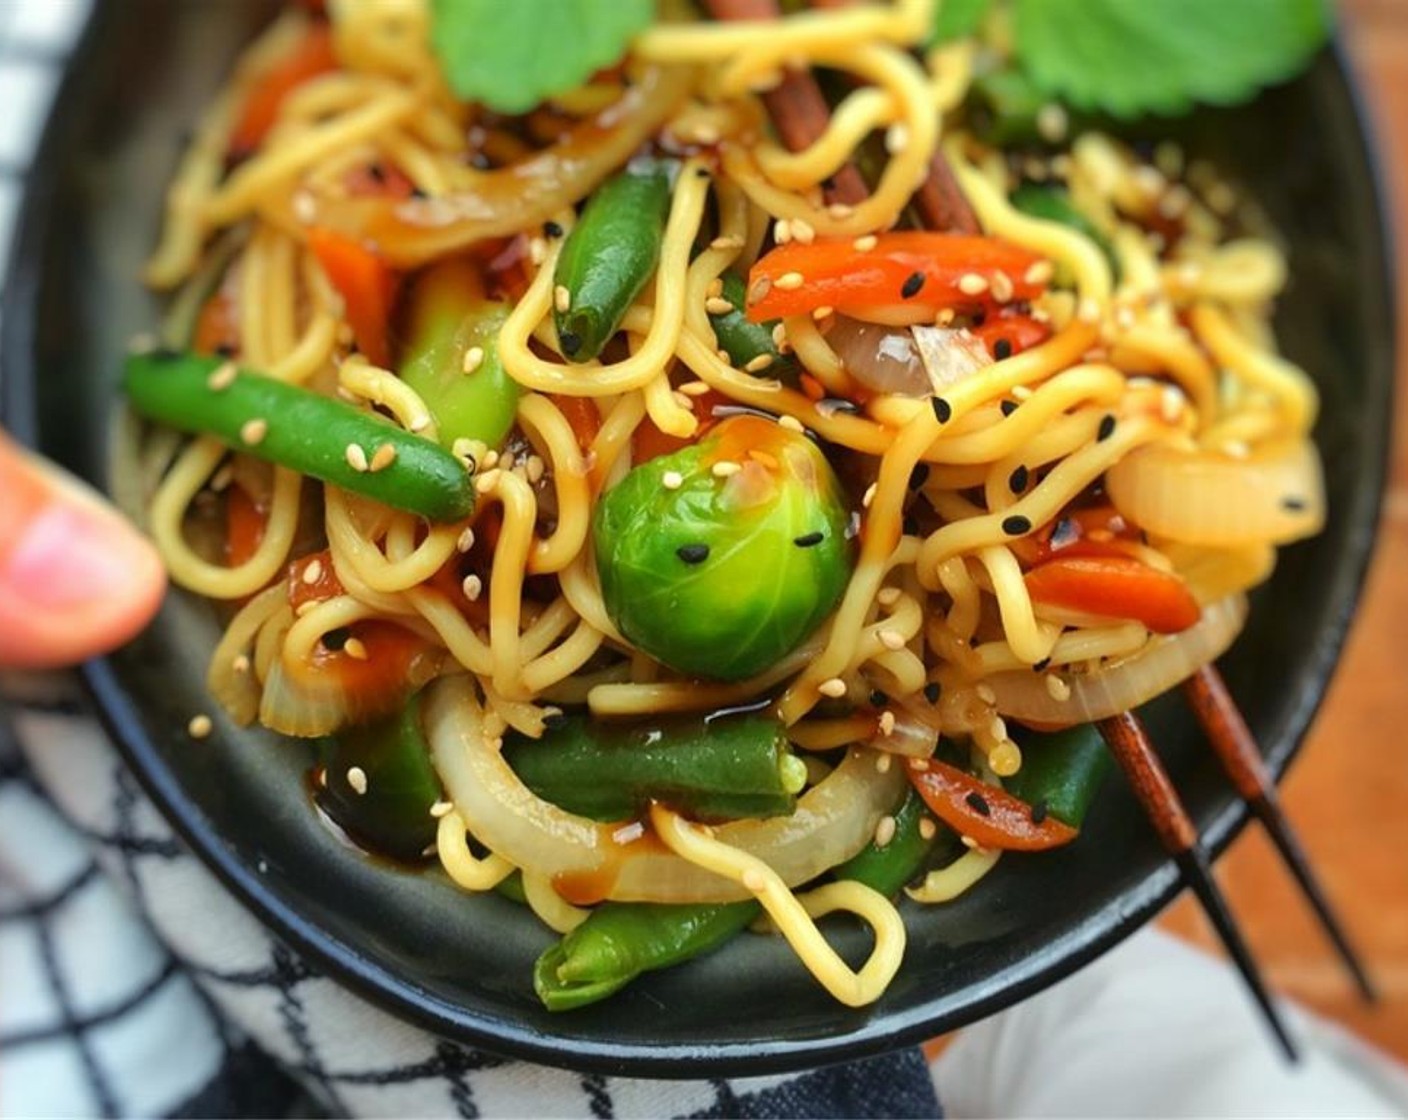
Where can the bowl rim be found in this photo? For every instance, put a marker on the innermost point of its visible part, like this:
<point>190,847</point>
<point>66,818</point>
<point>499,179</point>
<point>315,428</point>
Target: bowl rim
<point>398,994</point>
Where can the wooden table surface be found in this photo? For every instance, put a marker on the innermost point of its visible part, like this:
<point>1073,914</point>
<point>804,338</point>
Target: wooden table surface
<point>1348,790</point>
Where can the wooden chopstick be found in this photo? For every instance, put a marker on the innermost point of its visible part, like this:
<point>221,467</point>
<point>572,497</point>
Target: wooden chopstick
<point>1236,748</point>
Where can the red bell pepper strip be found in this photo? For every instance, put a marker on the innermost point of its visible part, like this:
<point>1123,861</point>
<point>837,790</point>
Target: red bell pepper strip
<point>245,522</point>
<point>1116,587</point>
<point>313,56</point>
<point>367,287</point>
<point>990,816</point>
<point>915,270</point>
<point>1005,335</point>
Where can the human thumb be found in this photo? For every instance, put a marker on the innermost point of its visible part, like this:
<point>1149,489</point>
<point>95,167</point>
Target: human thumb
<point>75,578</point>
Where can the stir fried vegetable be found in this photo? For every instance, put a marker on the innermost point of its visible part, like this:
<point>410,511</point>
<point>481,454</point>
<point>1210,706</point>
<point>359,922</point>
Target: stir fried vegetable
<point>609,255</point>
<point>1118,587</point>
<point>296,428</point>
<point>1062,771</point>
<point>743,340</point>
<point>889,866</point>
<point>451,356</point>
<point>719,559</point>
<point>711,770</point>
<point>988,815</point>
<point>367,287</point>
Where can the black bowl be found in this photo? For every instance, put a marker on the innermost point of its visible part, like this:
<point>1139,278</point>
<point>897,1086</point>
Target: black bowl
<point>461,966</point>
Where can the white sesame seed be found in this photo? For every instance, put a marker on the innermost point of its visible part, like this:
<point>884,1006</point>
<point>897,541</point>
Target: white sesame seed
<point>919,764</point>
<point>312,571</point>
<point>802,231</point>
<point>355,648</point>
<point>240,664</point>
<point>535,468</point>
<point>357,779</point>
<point>305,207</point>
<point>884,831</point>
<point>254,431</point>
<point>488,458</point>
<point>986,694</point>
<point>791,423</point>
<point>1052,122</point>
<point>869,496</point>
<point>1002,287</point>
<point>682,400</point>
<point>672,480</point>
<point>442,809</point>
<point>1236,449</point>
<point>790,281</point>
<point>998,729</point>
<point>537,250</point>
<point>754,880</point>
<point>717,305</point>
<point>1021,392</point>
<point>1057,688</point>
<point>222,478</point>
<point>823,312</point>
<point>927,828</point>
<point>307,608</point>
<point>758,364</point>
<point>840,211</point>
<point>561,299</point>
<point>473,359</point>
<point>356,457</point>
<point>887,723</point>
<point>865,244</point>
<point>419,422</point>
<point>834,687</point>
<point>782,231</point>
<point>1039,273</point>
<point>725,467</point>
<point>1089,310</point>
<point>779,335</point>
<point>888,596</point>
<point>1170,404</point>
<point>486,482</point>
<point>706,134</point>
<point>969,842</point>
<point>726,243</point>
<point>200,727</point>
<point>694,388</point>
<point>465,541</point>
<point>472,587</point>
<point>628,833</point>
<point>222,377</point>
<point>883,762</point>
<point>891,639</point>
<point>383,457</point>
<point>971,284</point>
<point>897,138</point>
<point>759,289</point>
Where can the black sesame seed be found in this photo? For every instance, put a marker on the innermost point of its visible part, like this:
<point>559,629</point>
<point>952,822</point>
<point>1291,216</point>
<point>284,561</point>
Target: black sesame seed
<point>334,640</point>
<point>1016,525</point>
<point>416,192</point>
<point>1001,349</point>
<point>931,692</point>
<point>701,173</point>
<point>1107,428</point>
<point>1292,504</point>
<point>693,553</point>
<point>1008,407</point>
<point>552,229</point>
<point>943,411</point>
<point>912,285</point>
<point>377,172</point>
<point>919,476</point>
<point>979,804</point>
<point>1039,811</point>
<point>1017,481</point>
<point>878,699</point>
<point>1042,665</point>
<point>571,342</point>
<point>806,540</point>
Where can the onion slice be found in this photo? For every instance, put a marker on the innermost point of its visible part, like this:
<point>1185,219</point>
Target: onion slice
<point>1122,685</point>
<point>589,862</point>
<point>1205,497</point>
<point>913,362</point>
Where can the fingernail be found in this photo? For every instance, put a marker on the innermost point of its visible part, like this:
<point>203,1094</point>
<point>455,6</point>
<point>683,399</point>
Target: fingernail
<point>69,555</point>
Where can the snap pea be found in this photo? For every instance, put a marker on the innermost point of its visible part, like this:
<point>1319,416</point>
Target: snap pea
<point>744,341</point>
<point>887,869</point>
<point>388,809</point>
<point>1061,771</point>
<point>448,316</point>
<point>712,770</point>
<point>610,254</point>
<point>296,428</point>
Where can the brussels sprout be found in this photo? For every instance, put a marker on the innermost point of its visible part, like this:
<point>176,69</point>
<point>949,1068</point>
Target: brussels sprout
<point>721,558</point>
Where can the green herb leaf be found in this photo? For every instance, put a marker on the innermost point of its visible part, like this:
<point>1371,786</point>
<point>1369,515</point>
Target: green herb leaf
<point>512,54</point>
<point>1128,57</point>
<point>958,18</point>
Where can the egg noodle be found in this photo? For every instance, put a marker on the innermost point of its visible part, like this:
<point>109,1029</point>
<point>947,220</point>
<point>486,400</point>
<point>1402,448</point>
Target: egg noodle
<point>1149,376</point>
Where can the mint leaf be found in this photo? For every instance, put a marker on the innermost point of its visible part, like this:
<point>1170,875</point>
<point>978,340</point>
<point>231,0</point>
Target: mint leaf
<point>512,54</point>
<point>958,18</point>
<point>1129,57</point>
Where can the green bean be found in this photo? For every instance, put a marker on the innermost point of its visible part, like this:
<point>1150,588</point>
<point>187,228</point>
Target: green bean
<point>620,940</point>
<point>711,770</point>
<point>388,809</point>
<point>744,341</point>
<point>1061,771</point>
<point>448,317</point>
<point>610,254</point>
<point>886,869</point>
<point>315,435</point>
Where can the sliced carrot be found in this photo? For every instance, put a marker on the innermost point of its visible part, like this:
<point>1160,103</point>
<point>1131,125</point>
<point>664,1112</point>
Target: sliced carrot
<point>218,324</point>
<point>245,521</point>
<point>312,578</point>
<point>910,274</point>
<point>990,816</point>
<point>1115,587</point>
<point>313,56</point>
<point>367,287</point>
<point>1006,334</point>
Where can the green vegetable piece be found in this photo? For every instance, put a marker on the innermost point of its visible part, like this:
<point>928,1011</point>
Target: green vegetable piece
<point>1054,205</point>
<point>1130,57</point>
<point>958,18</point>
<point>620,940</point>
<point>610,254</point>
<point>300,429</point>
<point>512,55</point>
<point>709,769</point>
<point>511,888</point>
<point>388,807</point>
<point>746,341</point>
<point>889,868</point>
<point>1061,770</point>
<point>449,316</point>
<point>1005,107</point>
<point>724,573</point>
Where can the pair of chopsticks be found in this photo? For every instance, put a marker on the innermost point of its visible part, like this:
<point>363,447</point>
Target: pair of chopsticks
<point>800,114</point>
